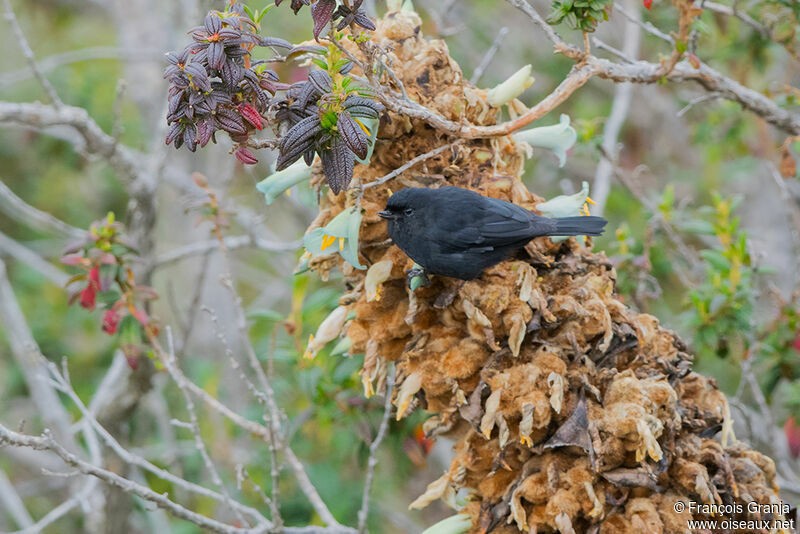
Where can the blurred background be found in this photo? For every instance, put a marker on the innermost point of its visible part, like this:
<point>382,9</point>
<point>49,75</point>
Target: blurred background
<point>702,198</point>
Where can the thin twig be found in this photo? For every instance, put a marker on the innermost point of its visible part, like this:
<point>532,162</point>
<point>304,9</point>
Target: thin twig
<point>45,442</point>
<point>12,502</point>
<point>410,163</point>
<point>363,513</point>
<point>18,209</point>
<point>488,56</point>
<point>195,429</point>
<point>29,56</point>
<point>135,460</point>
<point>231,243</point>
<point>25,255</point>
<point>29,358</point>
<point>616,118</point>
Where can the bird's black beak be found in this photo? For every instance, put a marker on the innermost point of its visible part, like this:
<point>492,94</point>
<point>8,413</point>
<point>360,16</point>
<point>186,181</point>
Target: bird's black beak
<point>386,214</point>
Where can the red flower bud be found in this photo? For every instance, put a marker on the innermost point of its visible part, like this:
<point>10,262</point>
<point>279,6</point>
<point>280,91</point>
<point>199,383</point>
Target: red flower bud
<point>89,295</point>
<point>111,321</point>
<point>647,3</point>
<point>94,275</point>
<point>245,156</point>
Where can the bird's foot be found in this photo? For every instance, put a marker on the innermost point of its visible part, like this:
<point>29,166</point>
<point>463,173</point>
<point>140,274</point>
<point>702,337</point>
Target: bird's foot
<point>417,277</point>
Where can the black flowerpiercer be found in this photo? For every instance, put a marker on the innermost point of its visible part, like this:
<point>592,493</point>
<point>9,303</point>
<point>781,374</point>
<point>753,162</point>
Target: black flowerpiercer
<point>458,233</point>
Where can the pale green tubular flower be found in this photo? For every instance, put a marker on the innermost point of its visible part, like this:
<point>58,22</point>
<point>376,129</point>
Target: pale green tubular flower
<point>567,206</point>
<point>276,183</point>
<point>455,524</point>
<point>559,138</point>
<point>342,229</point>
<point>511,88</point>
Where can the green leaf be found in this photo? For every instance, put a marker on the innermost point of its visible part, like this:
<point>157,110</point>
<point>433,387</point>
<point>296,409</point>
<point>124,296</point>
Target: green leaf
<point>697,227</point>
<point>266,315</point>
<point>716,259</point>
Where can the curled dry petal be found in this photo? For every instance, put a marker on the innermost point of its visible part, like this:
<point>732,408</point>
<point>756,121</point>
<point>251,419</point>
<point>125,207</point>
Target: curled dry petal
<point>505,433</point>
<point>556,383</point>
<point>526,424</point>
<point>376,275</point>
<point>564,524</point>
<point>649,445</point>
<point>597,506</point>
<point>517,334</point>
<point>370,369</point>
<point>408,389</point>
<point>518,513</point>
<point>490,415</point>
<point>438,489</point>
<point>328,330</point>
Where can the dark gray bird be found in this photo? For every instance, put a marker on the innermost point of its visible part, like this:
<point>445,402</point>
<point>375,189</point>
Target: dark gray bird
<point>458,233</point>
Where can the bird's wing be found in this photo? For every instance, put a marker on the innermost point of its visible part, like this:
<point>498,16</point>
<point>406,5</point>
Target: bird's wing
<point>490,224</point>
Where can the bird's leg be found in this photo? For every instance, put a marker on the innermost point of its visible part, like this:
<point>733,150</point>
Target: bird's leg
<point>417,277</point>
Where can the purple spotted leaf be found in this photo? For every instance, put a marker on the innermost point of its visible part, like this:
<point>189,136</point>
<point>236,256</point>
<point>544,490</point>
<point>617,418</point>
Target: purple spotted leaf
<point>216,55</point>
<point>322,12</point>
<point>352,134</point>
<point>321,81</point>
<point>230,121</point>
<point>337,164</point>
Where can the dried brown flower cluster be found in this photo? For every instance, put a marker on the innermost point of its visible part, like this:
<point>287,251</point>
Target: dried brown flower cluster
<point>572,412</point>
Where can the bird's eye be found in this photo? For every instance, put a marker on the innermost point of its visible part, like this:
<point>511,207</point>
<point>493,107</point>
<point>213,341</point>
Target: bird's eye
<point>408,211</point>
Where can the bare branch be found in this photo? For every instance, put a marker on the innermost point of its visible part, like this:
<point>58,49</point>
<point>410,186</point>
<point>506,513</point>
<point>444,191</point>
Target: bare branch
<point>619,111</point>
<point>47,443</point>
<point>28,53</point>
<point>12,502</point>
<point>29,358</point>
<point>410,163</point>
<point>195,429</point>
<point>373,450</point>
<point>91,53</point>
<point>489,55</point>
<point>18,209</point>
<point>25,255</point>
<point>741,15</point>
<point>126,162</point>
<point>231,243</point>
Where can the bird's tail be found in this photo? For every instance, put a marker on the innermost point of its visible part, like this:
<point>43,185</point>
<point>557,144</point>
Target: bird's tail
<point>581,225</point>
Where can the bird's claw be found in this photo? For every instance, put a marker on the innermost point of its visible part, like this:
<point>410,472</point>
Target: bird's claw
<point>417,277</point>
